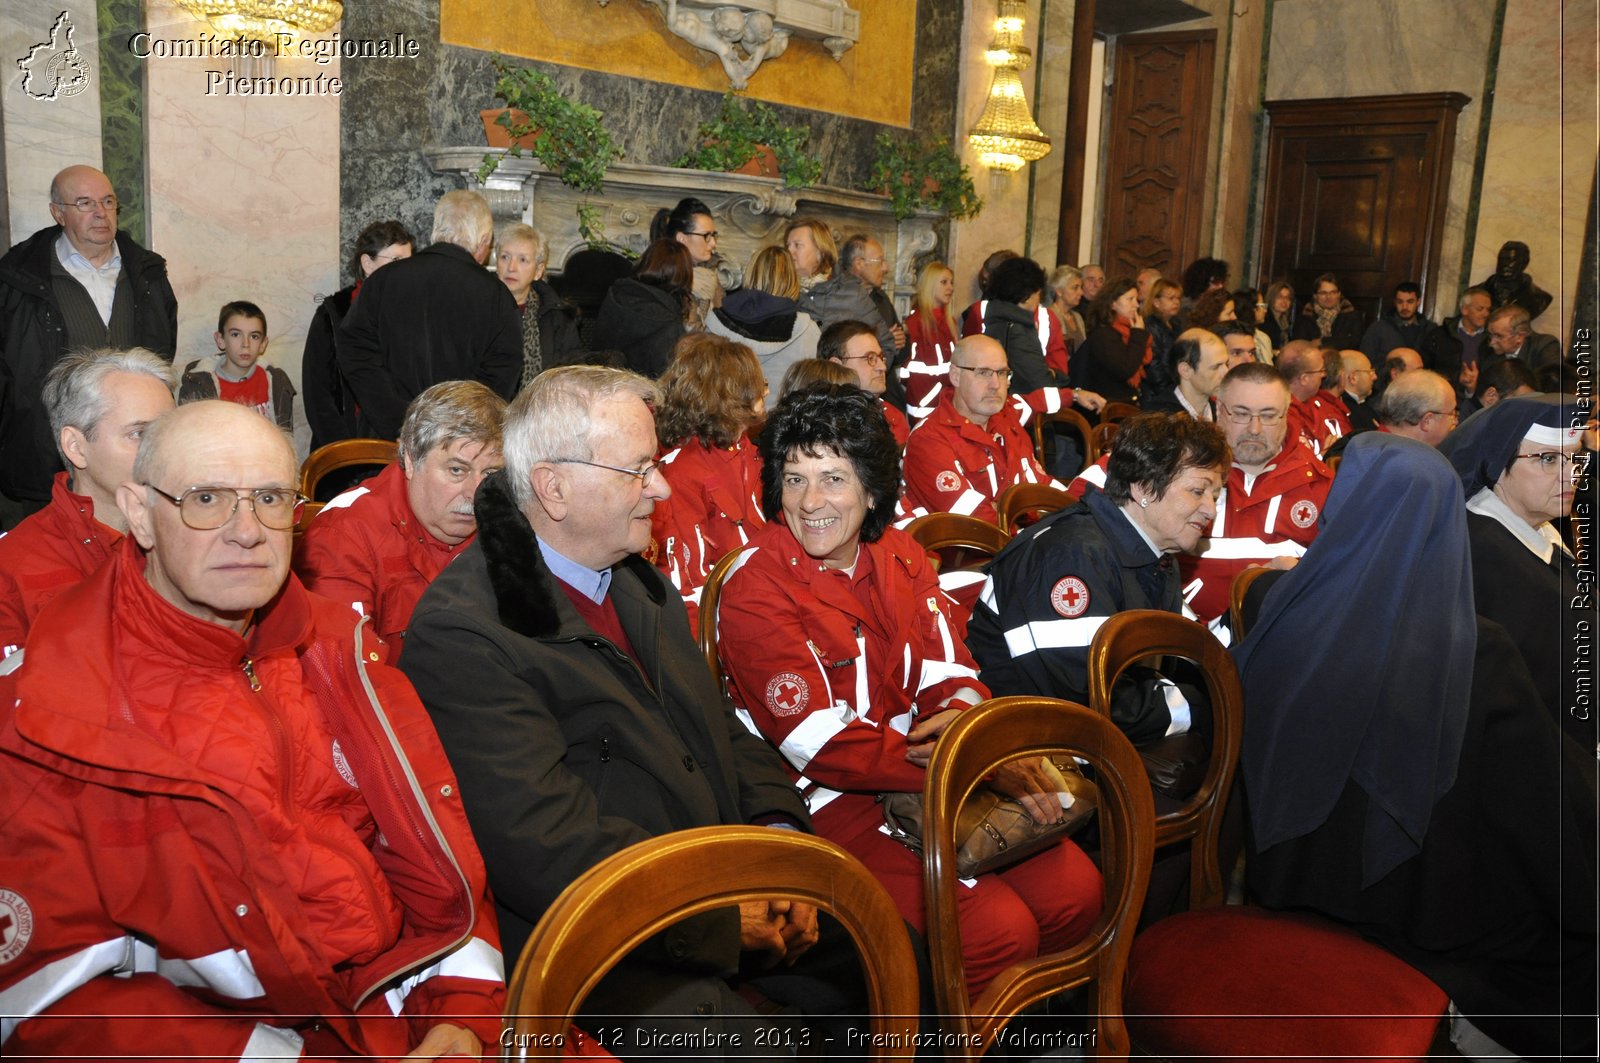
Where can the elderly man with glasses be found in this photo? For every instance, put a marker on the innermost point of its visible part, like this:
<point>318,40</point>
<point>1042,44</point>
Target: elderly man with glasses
<point>1275,491</point>
<point>80,283</point>
<point>230,829</point>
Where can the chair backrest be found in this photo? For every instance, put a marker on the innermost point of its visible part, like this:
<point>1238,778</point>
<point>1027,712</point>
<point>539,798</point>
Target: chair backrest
<point>1141,633</point>
<point>1070,419</point>
<point>1113,412</point>
<point>1028,500</point>
<point>710,594</point>
<point>342,454</point>
<point>1241,587</point>
<point>623,900</point>
<point>1104,434</point>
<point>978,741</point>
<point>964,536</point>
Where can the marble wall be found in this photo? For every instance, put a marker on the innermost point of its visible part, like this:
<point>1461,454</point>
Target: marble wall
<point>49,123</point>
<point>1541,143</point>
<point>1333,48</point>
<point>391,112</point>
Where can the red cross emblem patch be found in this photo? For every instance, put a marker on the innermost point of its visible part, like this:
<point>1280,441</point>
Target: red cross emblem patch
<point>1070,596</point>
<point>948,481</point>
<point>787,694</point>
<point>16,925</point>
<point>1303,513</point>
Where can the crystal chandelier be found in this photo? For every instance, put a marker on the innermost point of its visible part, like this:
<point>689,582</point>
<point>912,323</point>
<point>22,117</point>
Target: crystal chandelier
<point>1006,136</point>
<point>266,21</point>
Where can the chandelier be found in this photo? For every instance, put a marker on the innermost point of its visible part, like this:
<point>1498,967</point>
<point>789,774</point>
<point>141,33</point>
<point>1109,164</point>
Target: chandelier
<point>1006,136</point>
<point>267,21</point>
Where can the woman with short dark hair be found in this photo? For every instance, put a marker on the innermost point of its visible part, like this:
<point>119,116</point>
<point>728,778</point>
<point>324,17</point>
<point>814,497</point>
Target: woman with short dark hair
<point>1114,358</point>
<point>643,315</point>
<point>838,645</point>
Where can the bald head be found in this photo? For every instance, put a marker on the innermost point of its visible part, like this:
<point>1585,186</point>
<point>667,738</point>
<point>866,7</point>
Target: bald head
<point>1419,405</point>
<point>193,427</point>
<point>1402,360</point>
<point>978,384</point>
<point>84,205</point>
<point>1301,364</point>
<point>1355,374</point>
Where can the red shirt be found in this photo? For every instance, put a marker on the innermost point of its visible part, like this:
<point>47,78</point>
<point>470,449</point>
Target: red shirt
<point>49,552</point>
<point>252,391</point>
<point>715,507</point>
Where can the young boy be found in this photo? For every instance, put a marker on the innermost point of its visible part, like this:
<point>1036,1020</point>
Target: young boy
<point>241,339</point>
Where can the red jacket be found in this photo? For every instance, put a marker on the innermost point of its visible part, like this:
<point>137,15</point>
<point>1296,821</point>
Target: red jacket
<point>832,680</point>
<point>932,344</point>
<point>715,507</point>
<point>897,423</point>
<point>44,555</point>
<point>1052,339</point>
<point>1318,419</point>
<point>367,550</point>
<point>1276,516</point>
<point>297,876</point>
<point>954,466</point>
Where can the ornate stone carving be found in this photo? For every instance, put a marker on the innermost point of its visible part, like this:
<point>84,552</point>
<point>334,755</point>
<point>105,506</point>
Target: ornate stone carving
<point>744,35</point>
<point>750,211</point>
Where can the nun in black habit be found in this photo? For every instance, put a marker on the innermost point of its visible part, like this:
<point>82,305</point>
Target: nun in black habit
<point>1425,798</point>
<point>1518,461</point>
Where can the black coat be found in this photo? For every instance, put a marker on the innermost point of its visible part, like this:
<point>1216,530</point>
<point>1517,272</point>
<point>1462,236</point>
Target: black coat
<point>33,337</point>
<point>572,752</point>
<point>1348,328</point>
<point>1017,331</point>
<point>435,316</point>
<point>330,408</point>
<point>560,342</point>
<point>1106,362</point>
<point>642,321</point>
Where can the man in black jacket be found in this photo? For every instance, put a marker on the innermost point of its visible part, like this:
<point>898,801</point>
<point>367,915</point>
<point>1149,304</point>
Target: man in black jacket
<point>436,316</point>
<point>79,283</point>
<point>562,678</point>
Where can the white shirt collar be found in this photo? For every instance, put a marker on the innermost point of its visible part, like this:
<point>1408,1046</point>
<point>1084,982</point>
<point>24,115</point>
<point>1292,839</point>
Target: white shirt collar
<point>1541,541</point>
<point>72,257</point>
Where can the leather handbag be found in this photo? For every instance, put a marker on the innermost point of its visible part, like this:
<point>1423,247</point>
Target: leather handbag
<point>994,830</point>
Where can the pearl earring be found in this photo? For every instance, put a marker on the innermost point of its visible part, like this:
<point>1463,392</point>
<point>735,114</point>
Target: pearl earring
<point>1144,503</point>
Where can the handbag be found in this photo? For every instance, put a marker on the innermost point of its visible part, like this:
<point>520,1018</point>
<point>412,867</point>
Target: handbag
<point>994,830</point>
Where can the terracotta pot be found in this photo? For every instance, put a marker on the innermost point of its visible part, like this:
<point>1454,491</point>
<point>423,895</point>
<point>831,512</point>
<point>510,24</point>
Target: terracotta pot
<point>498,136</point>
<point>764,163</point>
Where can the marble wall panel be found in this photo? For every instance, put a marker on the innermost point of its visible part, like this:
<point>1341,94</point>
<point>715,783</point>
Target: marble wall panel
<point>244,193</point>
<point>122,110</point>
<point>1334,48</point>
<point>45,135</point>
<point>1540,160</point>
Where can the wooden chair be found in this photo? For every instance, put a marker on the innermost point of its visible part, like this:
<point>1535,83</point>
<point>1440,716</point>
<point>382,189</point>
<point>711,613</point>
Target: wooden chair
<point>1240,588</point>
<point>636,893</point>
<point>1113,412</point>
<point>1104,434</point>
<point>342,455</point>
<point>969,541</point>
<point>1239,982</point>
<point>710,594</point>
<point>978,741</point>
<point>1028,500</point>
<point>1129,637</point>
<point>1069,419</point>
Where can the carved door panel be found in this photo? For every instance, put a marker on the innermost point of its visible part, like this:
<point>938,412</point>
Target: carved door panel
<point>1156,172</point>
<point>1356,188</point>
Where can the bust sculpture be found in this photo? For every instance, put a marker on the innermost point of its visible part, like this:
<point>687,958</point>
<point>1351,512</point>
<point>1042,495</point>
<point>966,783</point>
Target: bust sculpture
<point>1511,284</point>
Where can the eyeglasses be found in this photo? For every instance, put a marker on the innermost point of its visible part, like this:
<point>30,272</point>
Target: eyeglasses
<point>645,475</point>
<point>1268,418</point>
<point>712,235</point>
<point>1549,459</point>
<point>871,358</point>
<point>397,258</point>
<point>1454,415</point>
<point>986,375</point>
<point>1327,291</point>
<point>209,508</point>
<point>85,205</point>
<point>871,261</point>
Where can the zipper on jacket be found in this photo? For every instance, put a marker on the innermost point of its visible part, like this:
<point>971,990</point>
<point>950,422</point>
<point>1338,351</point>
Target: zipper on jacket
<point>248,666</point>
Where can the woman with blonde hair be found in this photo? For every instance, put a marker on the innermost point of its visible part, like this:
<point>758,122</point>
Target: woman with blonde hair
<point>714,394</point>
<point>828,294</point>
<point>931,332</point>
<point>1066,289</point>
<point>764,315</point>
<point>549,323</point>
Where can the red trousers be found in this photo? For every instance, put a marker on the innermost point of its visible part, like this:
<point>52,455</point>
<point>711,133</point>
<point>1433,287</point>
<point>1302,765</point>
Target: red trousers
<point>1045,903</point>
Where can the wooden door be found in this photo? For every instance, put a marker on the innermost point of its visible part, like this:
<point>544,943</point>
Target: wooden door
<point>1356,187</point>
<point>1156,172</point>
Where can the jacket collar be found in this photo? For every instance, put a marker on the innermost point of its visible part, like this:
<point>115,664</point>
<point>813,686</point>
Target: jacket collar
<point>1132,549</point>
<point>527,599</point>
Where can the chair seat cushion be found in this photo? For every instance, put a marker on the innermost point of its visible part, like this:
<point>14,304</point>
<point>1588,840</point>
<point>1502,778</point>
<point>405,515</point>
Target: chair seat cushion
<point>1246,982</point>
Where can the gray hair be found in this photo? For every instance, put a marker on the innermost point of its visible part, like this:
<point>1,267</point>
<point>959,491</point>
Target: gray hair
<point>1515,317</point>
<point>74,389</point>
<point>462,218</point>
<point>854,248</point>
<point>448,412</point>
<point>551,419</point>
<point>1062,274</point>
<point>1411,396</point>
<point>519,231</point>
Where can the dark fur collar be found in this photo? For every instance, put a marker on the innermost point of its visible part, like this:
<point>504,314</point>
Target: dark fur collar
<point>526,596</point>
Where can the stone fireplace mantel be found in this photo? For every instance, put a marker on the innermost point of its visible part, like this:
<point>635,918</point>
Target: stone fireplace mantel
<point>750,212</point>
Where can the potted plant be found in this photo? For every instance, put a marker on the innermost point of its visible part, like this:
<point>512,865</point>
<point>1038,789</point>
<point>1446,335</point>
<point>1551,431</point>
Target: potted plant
<point>748,137</point>
<point>566,135</point>
<point>922,175</point>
